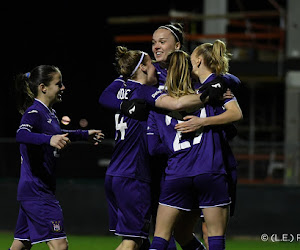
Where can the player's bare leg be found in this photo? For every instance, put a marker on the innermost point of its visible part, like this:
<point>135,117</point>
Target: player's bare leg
<point>21,245</point>
<point>184,229</point>
<point>60,244</point>
<point>130,244</point>
<point>204,232</point>
<point>216,219</point>
<point>165,221</point>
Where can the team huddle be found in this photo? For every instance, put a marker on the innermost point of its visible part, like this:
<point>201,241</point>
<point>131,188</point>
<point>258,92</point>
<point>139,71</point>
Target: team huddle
<point>171,165</point>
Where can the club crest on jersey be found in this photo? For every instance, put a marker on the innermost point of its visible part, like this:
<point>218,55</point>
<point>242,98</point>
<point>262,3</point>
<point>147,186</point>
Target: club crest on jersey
<point>56,226</point>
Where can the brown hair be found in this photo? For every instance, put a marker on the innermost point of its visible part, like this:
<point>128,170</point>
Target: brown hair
<point>26,85</point>
<point>178,81</point>
<point>127,60</point>
<point>216,57</point>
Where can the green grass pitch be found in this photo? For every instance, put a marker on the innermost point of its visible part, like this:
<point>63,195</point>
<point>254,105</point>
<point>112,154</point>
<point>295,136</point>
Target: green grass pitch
<point>109,243</point>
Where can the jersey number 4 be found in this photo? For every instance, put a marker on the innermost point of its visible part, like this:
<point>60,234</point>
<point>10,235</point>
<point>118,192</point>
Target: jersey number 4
<point>120,126</point>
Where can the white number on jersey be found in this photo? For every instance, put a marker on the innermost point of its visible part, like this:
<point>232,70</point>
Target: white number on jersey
<point>120,126</point>
<point>177,145</point>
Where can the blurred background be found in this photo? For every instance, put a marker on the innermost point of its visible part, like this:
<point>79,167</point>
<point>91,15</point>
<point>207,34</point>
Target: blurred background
<point>80,38</point>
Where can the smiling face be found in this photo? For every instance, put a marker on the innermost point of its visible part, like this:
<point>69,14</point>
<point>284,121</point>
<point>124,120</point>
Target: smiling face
<point>163,43</point>
<point>53,92</point>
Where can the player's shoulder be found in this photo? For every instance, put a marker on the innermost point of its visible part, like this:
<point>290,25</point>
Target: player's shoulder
<point>231,78</point>
<point>33,110</point>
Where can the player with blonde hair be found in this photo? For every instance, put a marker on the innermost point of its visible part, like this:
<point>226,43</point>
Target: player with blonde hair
<point>196,172</point>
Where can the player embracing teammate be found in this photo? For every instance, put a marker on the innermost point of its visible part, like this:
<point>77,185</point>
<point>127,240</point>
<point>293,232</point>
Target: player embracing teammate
<point>136,107</point>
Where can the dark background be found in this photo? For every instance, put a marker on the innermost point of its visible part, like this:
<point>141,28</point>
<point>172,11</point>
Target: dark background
<point>75,37</point>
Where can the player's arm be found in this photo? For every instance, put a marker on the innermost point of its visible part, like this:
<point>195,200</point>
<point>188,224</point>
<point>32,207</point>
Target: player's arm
<point>233,113</point>
<point>232,82</point>
<point>108,97</point>
<point>181,103</point>
<point>94,136</point>
<point>25,135</point>
<point>192,123</point>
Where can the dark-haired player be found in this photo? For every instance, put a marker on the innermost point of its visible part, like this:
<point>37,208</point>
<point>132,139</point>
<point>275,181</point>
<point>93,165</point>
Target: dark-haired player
<point>41,139</point>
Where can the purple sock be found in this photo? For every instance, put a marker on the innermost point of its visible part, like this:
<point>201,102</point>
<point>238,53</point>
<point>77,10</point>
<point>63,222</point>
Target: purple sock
<point>172,244</point>
<point>159,244</point>
<point>216,242</point>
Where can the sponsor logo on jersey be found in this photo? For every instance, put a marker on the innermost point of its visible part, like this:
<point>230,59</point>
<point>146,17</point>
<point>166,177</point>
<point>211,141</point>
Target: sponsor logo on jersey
<point>156,93</point>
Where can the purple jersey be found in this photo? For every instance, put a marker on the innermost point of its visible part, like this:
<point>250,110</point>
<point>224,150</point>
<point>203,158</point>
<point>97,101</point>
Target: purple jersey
<point>233,83</point>
<point>109,97</point>
<point>113,96</point>
<point>130,157</point>
<point>117,91</point>
<point>161,75</point>
<point>189,154</point>
<point>38,158</point>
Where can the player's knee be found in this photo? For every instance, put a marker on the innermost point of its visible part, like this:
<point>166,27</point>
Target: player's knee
<point>24,245</point>
<point>63,246</point>
<point>58,244</point>
<point>131,243</point>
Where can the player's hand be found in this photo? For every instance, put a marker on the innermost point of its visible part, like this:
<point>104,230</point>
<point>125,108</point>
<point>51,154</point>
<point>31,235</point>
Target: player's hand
<point>191,124</point>
<point>135,108</point>
<point>214,90</point>
<point>60,141</point>
<point>95,136</point>
<point>228,94</point>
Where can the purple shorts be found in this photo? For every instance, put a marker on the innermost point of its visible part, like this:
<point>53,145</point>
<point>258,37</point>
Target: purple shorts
<point>40,221</point>
<point>129,203</point>
<point>201,191</point>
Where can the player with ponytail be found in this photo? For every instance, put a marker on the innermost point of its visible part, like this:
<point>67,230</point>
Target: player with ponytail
<point>41,141</point>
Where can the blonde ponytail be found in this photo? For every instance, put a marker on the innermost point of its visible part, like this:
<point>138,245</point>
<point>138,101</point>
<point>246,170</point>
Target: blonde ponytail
<point>216,57</point>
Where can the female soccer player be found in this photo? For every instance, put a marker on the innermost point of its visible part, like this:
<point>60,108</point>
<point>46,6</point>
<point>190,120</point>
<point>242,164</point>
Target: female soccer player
<point>205,70</point>
<point>41,140</point>
<point>196,173</point>
<point>165,39</point>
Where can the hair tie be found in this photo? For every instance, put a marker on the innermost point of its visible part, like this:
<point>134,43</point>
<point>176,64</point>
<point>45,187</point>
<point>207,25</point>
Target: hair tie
<point>139,63</point>
<point>27,74</point>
